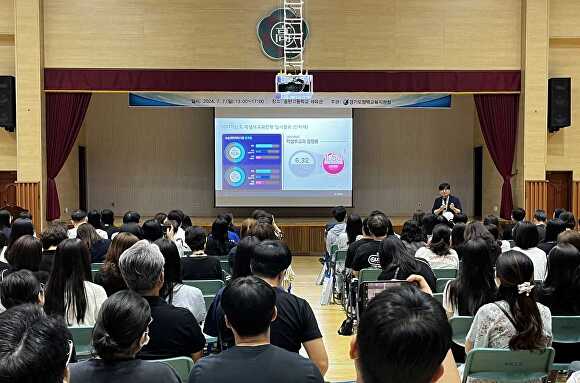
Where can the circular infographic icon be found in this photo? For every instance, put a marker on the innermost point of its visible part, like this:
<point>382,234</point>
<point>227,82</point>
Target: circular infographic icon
<point>333,163</point>
<point>302,163</point>
<point>235,177</point>
<point>235,152</point>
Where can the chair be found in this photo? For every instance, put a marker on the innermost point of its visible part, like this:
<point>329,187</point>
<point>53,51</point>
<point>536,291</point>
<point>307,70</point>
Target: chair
<point>460,326</point>
<point>369,275</point>
<point>182,365</point>
<point>445,273</point>
<point>508,366</point>
<point>438,297</point>
<point>81,336</point>
<point>566,329</point>
<point>96,266</point>
<point>441,283</point>
<point>207,287</point>
<point>226,266</point>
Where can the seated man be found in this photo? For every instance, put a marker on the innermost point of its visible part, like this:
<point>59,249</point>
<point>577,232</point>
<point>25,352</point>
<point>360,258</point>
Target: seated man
<point>296,324</point>
<point>77,218</point>
<point>249,304</point>
<point>403,337</point>
<point>367,254</point>
<point>339,214</point>
<point>199,266</point>
<point>33,346</point>
<point>174,330</point>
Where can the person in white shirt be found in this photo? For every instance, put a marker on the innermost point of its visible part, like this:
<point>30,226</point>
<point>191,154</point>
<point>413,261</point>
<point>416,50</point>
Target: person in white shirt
<point>68,292</point>
<point>179,234</point>
<point>339,214</point>
<point>527,239</point>
<point>77,218</point>
<point>438,251</point>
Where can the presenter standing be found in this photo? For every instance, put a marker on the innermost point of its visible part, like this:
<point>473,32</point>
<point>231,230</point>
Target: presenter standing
<point>446,205</point>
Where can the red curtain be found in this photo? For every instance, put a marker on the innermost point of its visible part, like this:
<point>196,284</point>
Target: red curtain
<point>65,113</point>
<point>498,117</point>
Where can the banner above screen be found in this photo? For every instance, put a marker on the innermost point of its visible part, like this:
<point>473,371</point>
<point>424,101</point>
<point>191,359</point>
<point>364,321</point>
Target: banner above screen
<point>318,100</point>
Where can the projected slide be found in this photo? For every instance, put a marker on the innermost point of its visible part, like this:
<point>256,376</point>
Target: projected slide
<point>282,157</point>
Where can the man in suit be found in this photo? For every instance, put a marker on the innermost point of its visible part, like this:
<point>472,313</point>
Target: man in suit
<point>446,202</point>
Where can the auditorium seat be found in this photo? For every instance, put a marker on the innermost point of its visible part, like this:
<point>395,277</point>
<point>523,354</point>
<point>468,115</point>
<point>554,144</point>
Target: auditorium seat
<point>182,365</point>
<point>566,338</point>
<point>209,289</point>
<point>82,340</point>
<point>460,326</point>
<point>96,266</point>
<point>438,297</point>
<point>369,275</point>
<point>441,283</point>
<point>445,273</point>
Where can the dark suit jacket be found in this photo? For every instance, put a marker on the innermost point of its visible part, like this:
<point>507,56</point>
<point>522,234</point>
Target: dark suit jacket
<point>452,200</point>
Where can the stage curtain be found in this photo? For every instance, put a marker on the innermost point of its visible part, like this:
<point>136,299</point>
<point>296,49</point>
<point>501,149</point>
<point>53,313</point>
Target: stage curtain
<point>498,117</point>
<point>65,113</point>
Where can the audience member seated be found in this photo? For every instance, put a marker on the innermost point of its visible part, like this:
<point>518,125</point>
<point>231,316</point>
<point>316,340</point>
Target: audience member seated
<point>199,266</point>
<point>352,233</point>
<point>122,329</point>
<point>250,306</point>
<point>339,227</point>
<point>20,227</point>
<point>3,242</point>
<point>233,232</point>
<point>50,237</point>
<point>77,218</point>
<point>97,245</point>
<point>131,217</point>
<point>571,237</point>
<point>458,236</point>
<point>398,263</point>
<point>186,222</point>
<point>69,292</point>
<point>476,230</point>
<point>34,347</point>
<point>438,252</point>
<point>218,242</point>
<point>26,253</point>
<point>161,217</point>
<point>428,224</point>
<point>179,234</point>
<point>569,220</point>
<point>526,243</point>
<point>403,336</point>
<point>515,320</point>
<point>460,218</point>
<point>413,236</point>
<point>540,221</point>
<point>367,253</point>
<point>246,228</point>
<point>174,291</point>
<point>560,291</point>
<point>94,218</point>
<point>152,230</point>
<point>553,228</point>
<point>475,282</point>
<point>110,276</point>
<point>518,216</point>
<point>353,247</point>
<point>108,221</point>
<point>130,227</point>
<point>20,287</point>
<point>557,212</point>
<point>507,236</point>
<point>174,330</point>
<point>5,219</point>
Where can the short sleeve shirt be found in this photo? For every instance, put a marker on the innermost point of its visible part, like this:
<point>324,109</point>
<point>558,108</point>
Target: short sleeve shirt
<point>132,370</point>
<point>367,255</point>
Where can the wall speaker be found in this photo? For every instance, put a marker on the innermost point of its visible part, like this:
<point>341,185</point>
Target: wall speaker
<point>8,103</point>
<point>559,103</point>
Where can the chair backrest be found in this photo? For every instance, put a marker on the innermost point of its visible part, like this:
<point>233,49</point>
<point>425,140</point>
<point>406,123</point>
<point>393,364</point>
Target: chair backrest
<point>182,365</point>
<point>460,326</point>
<point>369,275</point>
<point>81,336</point>
<point>566,329</point>
<point>96,266</point>
<point>438,297</point>
<point>441,283</point>
<point>505,365</point>
<point>445,273</point>
<point>226,266</point>
<point>208,287</point>
<point>340,256</point>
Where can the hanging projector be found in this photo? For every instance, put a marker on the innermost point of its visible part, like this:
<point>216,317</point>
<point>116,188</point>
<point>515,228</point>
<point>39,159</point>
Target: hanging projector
<point>294,86</point>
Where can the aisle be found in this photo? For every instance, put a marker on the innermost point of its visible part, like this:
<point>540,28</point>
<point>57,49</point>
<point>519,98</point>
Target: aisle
<point>329,319</point>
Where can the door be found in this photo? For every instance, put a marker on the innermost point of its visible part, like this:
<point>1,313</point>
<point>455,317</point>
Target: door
<point>7,191</point>
<point>559,191</point>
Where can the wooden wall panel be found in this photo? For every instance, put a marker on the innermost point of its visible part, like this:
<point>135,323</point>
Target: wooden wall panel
<point>536,197</point>
<point>366,34</point>
<point>28,197</point>
<point>576,198</point>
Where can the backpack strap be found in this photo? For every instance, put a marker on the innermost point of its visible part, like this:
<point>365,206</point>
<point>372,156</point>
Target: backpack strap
<point>508,316</point>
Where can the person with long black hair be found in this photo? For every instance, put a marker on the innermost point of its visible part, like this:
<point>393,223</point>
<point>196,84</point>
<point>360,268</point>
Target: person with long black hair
<point>20,227</point>
<point>173,290</point>
<point>94,218</point>
<point>561,289</point>
<point>527,239</point>
<point>218,242</point>
<point>475,282</point>
<point>5,218</point>
<point>122,329</point>
<point>398,263</point>
<point>515,320</point>
<point>352,232</point>
<point>98,246</point>
<point>109,276</point>
<point>438,251</point>
<point>69,291</point>
<point>553,228</point>
<point>413,236</point>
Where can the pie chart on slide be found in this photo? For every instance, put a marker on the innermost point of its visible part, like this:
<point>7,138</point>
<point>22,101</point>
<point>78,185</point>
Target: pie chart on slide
<point>235,152</point>
<point>235,176</point>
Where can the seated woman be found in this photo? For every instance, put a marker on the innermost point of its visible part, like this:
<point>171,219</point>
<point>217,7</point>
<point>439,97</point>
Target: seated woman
<point>515,320</point>
<point>69,292</point>
<point>199,266</point>
<point>438,251</point>
<point>475,282</point>
<point>553,228</point>
<point>398,263</point>
<point>413,236</point>
<point>20,227</point>
<point>458,237</point>
<point>561,289</point>
<point>109,276</point>
<point>174,291</point>
<point>218,242</point>
<point>527,239</point>
<point>122,329</point>
<point>476,230</point>
<point>97,245</point>
<point>353,232</point>
<point>20,287</point>
<point>26,253</point>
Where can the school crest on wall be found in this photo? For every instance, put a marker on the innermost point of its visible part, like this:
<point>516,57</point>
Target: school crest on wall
<point>272,36</point>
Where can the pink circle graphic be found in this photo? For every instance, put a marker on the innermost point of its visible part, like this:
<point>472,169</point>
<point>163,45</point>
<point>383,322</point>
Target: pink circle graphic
<point>333,163</point>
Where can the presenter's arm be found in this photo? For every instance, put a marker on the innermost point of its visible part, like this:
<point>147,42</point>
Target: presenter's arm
<point>456,206</point>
